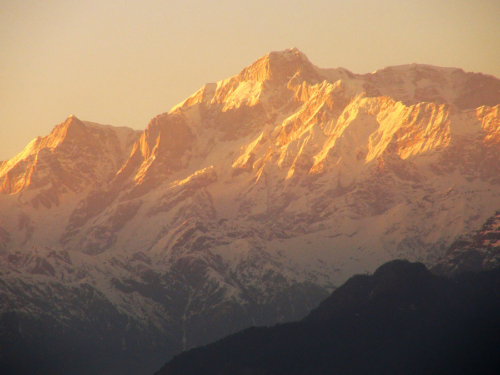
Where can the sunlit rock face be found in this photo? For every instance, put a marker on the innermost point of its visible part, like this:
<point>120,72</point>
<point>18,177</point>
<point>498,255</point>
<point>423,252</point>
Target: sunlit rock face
<point>249,201</point>
<point>74,157</point>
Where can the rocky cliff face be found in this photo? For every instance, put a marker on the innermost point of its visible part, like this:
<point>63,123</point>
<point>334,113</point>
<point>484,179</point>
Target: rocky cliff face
<point>251,200</point>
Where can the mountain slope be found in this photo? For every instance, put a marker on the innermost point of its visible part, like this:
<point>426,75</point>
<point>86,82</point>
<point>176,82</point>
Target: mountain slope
<point>45,182</point>
<point>475,251</point>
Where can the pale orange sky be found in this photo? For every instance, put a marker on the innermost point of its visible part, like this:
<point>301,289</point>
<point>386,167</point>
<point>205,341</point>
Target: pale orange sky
<point>123,62</point>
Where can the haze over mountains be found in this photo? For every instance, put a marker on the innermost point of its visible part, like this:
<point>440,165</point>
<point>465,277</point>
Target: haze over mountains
<point>244,205</point>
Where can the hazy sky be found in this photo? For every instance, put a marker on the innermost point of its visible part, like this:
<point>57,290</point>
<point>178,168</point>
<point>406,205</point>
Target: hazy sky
<point>121,62</point>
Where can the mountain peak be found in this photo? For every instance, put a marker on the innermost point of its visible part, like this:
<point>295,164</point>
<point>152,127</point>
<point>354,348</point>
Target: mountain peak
<point>278,66</point>
<point>72,120</point>
<point>290,54</point>
<point>74,154</point>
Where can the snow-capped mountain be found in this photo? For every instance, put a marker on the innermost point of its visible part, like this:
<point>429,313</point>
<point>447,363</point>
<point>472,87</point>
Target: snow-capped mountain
<point>248,202</point>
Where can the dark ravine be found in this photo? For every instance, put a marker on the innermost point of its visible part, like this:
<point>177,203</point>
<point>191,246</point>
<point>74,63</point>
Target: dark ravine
<point>400,320</point>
